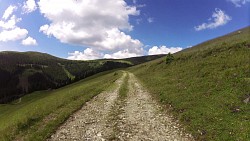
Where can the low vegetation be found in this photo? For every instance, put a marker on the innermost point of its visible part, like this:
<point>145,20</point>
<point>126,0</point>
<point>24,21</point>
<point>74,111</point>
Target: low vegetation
<point>206,87</point>
<point>124,87</point>
<point>35,116</point>
<point>117,109</point>
<point>169,58</point>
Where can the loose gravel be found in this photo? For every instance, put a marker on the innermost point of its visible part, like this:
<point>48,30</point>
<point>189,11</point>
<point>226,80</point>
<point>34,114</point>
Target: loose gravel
<point>137,117</point>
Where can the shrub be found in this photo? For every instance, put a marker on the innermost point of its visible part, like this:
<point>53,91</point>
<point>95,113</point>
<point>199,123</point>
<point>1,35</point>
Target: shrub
<point>169,58</point>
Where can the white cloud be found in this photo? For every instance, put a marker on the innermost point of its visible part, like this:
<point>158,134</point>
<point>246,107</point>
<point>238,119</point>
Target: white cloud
<point>150,20</point>
<point>219,18</point>
<point>121,54</point>
<point>11,23</point>
<point>239,3</point>
<point>91,23</point>
<point>29,6</point>
<point>163,50</point>
<point>87,54</point>
<point>13,34</point>
<point>91,54</point>
<point>9,11</point>
<point>117,40</point>
<point>138,5</point>
<point>9,31</point>
<point>29,41</point>
<point>44,28</point>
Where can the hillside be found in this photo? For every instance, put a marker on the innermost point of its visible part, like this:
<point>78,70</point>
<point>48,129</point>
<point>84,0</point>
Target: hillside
<point>137,60</point>
<point>35,116</point>
<point>25,72</point>
<point>206,86</point>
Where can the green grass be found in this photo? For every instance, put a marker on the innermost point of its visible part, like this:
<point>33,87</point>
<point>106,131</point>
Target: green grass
<point>37,115</point>
<point>29,72</point>
<point>120,61</point>
<point>124,87</point>
<point>205,86</point>
<point>72,77</point>
<point>117,110</point>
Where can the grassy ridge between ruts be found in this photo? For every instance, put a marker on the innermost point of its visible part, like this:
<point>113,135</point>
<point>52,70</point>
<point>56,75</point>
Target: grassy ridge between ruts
<point>124,87</point>
<point>37,115</point>
<point>114,116</point>
<point>207,87</point>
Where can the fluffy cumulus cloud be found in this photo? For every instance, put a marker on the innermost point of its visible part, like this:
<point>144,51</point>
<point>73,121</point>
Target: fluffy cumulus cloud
<point>9,31</point>
<point>91,23</point>
<point>219,18</point>
<point>121,54</point>
<point>239,3</point>
<point>87,54</point>
<point>9,11</point>
<point>29,41</point>
<point>91,54</point>
<point>29,6</point>
<point>11,23</point>
<point>13,34</point>
<point>163,50</point>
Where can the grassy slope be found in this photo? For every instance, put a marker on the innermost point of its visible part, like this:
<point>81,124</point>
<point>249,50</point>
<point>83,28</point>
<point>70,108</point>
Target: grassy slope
<point>72,77</point>
<point>205,86</point>
<point>136,60</point>
<point>37,115</point>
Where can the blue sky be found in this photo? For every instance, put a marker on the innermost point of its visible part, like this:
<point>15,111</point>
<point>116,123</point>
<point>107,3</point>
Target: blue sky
<point>87,29</point>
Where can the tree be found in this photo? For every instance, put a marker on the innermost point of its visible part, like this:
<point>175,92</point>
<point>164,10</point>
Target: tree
<point>169,58</point>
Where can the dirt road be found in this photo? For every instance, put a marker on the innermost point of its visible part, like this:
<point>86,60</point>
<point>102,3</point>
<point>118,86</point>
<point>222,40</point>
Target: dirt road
<point>137,116</point>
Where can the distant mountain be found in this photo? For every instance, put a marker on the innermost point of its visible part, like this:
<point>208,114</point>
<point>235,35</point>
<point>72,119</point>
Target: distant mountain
<point>25,72</point>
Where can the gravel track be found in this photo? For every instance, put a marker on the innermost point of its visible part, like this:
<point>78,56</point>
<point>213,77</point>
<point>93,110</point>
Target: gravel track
<point>136,117</point>
<point>143,118</point>
<point>90,122</point>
